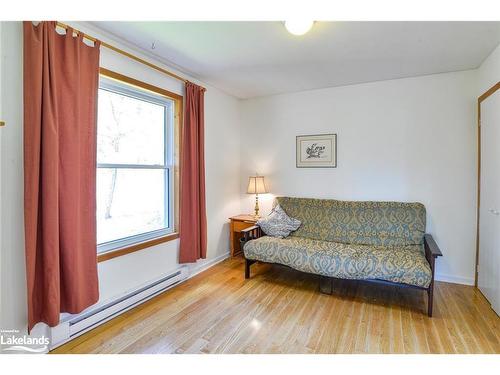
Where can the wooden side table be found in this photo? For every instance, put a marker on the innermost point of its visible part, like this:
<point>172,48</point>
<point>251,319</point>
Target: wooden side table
<point>237,224</point>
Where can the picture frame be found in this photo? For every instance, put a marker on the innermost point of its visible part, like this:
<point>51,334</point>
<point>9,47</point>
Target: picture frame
<point>316,151</point>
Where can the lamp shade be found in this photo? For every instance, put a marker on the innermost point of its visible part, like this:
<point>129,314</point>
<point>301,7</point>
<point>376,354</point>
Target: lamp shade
<point>256,185</point>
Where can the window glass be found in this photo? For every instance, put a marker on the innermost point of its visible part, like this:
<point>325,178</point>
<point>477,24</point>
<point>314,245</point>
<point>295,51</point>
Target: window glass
<point>134,171</point>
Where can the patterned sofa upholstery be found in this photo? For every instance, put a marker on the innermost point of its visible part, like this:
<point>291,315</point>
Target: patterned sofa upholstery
<point>381,241</point>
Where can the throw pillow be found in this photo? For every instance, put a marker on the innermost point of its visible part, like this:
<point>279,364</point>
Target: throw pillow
<point>278,223</point>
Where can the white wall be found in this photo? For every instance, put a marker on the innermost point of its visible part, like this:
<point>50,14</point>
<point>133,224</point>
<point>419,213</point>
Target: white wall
<point>1,117</point>
<point>125,273</point>
<point>403,140</point>
<point>489,72</point>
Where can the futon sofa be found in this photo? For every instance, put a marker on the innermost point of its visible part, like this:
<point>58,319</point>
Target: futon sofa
<point>383,242</point>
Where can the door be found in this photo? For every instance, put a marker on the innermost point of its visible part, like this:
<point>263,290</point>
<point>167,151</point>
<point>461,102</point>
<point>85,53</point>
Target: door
<point>489,209</point>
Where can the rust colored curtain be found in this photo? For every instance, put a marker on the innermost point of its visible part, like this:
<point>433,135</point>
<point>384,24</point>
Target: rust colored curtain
<point>193,221</point>
<point>61,77</point>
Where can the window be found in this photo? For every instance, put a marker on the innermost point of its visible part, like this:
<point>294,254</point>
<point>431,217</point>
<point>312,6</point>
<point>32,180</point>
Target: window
<point>135,165</point>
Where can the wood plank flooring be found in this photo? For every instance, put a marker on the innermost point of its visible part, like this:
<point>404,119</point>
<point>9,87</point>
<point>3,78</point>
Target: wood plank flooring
<point>280,310</point>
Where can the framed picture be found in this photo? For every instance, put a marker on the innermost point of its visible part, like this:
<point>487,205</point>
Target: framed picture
<point>317,151</point>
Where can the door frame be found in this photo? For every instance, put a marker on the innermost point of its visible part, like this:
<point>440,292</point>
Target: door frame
<point>480,99</point>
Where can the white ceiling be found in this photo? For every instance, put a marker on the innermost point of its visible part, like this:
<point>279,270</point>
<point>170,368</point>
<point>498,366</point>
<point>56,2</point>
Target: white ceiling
<point>250,59</point>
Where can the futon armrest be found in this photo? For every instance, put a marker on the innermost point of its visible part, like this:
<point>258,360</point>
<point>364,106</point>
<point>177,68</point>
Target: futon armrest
<point>249,229</point>
<point>251,233</point>
<point>431,247</point>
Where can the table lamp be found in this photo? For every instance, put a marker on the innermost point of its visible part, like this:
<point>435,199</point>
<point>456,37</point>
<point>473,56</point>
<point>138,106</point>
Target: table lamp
<point>256,185</point>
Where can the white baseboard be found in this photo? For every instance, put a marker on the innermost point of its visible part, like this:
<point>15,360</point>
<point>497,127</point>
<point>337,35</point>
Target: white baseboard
<point>455,279</point>
<point>203,265</point>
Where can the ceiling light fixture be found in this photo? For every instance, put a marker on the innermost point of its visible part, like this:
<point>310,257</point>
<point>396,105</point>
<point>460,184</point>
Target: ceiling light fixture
<point>298,27</point>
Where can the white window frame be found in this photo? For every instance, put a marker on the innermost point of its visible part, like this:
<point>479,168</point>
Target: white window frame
<point>123,88</point>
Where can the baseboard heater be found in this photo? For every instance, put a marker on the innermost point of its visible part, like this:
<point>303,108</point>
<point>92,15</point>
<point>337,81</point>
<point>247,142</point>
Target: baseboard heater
<point>76,325</point>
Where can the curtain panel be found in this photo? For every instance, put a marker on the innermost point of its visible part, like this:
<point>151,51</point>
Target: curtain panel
<point>61,75</point>
<point>193,221</point>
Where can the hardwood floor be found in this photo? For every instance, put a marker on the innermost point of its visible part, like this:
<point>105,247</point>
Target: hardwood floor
<point>281,311</point>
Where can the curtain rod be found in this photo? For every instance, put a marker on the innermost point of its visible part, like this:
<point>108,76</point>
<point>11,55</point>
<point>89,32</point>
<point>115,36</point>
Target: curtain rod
<point>125,53</point>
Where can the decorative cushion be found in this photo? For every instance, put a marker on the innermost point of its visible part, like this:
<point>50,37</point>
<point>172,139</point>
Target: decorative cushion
<point>401,264</point>
<point>278,223</point>
<point>361,223</point>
